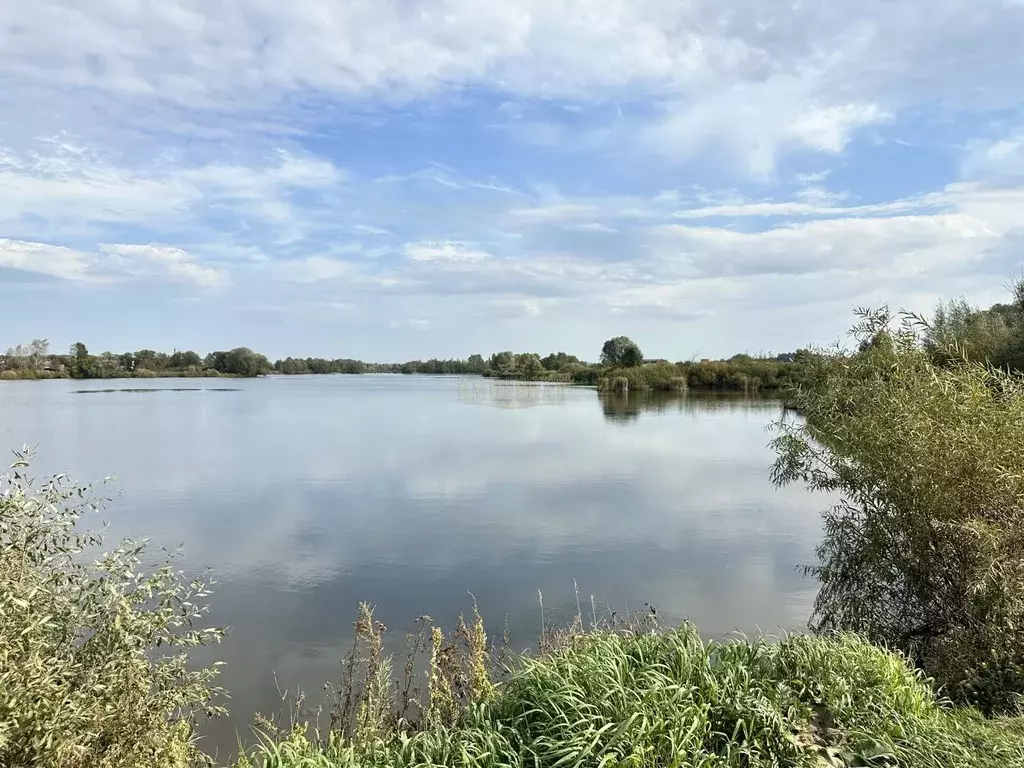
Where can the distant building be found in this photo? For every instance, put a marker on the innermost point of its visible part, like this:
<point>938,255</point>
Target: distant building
<point>655,360</point>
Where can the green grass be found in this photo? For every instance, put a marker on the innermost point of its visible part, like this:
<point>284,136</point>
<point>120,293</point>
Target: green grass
<point>669,699</point>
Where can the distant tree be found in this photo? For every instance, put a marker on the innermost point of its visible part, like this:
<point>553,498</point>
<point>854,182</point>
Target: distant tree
<point>179,361</point>
<point>39,351</point>
<point>291,367</point>
<point>502,364</point>
<point>127,361</point>
<point>557,360</point>
<point>476,364</point>
<point>105,366</point>
<point>528,366</point>
<point>79,367</point>
<point>241,361</point>
<point>151,360</point>
<point>621,351</point>
<point>319,365</point>
<point>347,365</point>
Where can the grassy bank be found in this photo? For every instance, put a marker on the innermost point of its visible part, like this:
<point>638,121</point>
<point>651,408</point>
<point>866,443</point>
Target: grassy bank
<point>669,699</point>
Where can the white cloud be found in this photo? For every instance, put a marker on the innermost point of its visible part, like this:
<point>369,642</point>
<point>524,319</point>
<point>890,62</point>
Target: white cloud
<point>162,261</point>
<point>76,190</point>
<point>110,263</point>
<point>830,129</point>
<point>970,225</point>
<point>997,158</point>
<point>592,226</point>
<point>443,252</point>
<point>313,269</point>
<point>752,75</point>
<point>43,259</point>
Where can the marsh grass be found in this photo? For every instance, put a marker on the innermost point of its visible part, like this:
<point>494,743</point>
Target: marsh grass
<point>666,698</point>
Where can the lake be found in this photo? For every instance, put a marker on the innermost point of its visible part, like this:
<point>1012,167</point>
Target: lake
<point>306,495</point>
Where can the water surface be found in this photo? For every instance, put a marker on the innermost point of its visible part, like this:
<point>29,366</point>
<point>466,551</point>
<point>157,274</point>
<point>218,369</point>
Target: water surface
<point>306,495</point>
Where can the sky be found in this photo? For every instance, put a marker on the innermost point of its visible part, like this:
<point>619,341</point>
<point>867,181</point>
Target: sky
<point>397,179</point>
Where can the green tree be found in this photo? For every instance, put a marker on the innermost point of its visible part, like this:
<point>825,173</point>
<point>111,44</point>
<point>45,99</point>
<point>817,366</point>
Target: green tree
<point>621,351</point>
<point>79,367</point>
<point>924,550</point>
<point>528,366</point>
<point>240,361</point>
<point>558,360</point>
<point>476,364</point>
<point>151,360</point>
<point>179,361</point>
<point>502,364</point>
<point>291,367</point>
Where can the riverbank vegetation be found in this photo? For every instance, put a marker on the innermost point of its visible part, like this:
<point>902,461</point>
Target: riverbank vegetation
<point>621,361</point>
<point>925,550</point>
<point>35,361</point>
<point>637,697</point>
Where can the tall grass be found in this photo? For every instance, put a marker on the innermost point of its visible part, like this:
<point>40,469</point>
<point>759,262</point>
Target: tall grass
<point>670,699</point>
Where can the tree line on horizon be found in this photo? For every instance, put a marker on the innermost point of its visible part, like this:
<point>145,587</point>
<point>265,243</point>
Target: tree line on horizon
<point>620,357</point>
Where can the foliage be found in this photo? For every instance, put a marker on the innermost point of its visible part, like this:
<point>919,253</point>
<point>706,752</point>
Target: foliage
<point>642,698</point>
<point>742,373</point>
<point>924,550</point>
<point>557,361</point>
<point>995,335</point>
<point>958,331</point>
<point>241,361</point>
<point>86,679</point>
<point>621,352</point>
<point>664,377</point>
<point>509,365</point>
<point>581,373</point>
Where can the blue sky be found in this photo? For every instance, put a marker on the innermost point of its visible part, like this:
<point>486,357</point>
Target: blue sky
<point>389,179</point>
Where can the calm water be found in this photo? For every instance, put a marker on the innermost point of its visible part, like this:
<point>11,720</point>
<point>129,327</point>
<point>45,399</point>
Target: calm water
<point>306,495</point>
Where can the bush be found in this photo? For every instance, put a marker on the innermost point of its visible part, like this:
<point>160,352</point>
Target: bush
<point>662,377</point>
<point>742,374</point>
<point>581,373</point>
<point>85,679</point>
<point>924,551</point>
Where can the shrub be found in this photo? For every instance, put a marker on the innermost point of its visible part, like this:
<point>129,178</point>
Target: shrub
<point>924,550</point>
<point>664,377</point>
<point>85,676</point>
<point>581,373</point>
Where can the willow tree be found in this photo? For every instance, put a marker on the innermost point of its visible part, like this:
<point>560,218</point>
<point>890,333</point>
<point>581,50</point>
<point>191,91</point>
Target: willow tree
<point>924,548</point>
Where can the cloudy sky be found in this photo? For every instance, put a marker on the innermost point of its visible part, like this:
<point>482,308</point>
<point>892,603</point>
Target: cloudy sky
<point>388,179</point>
